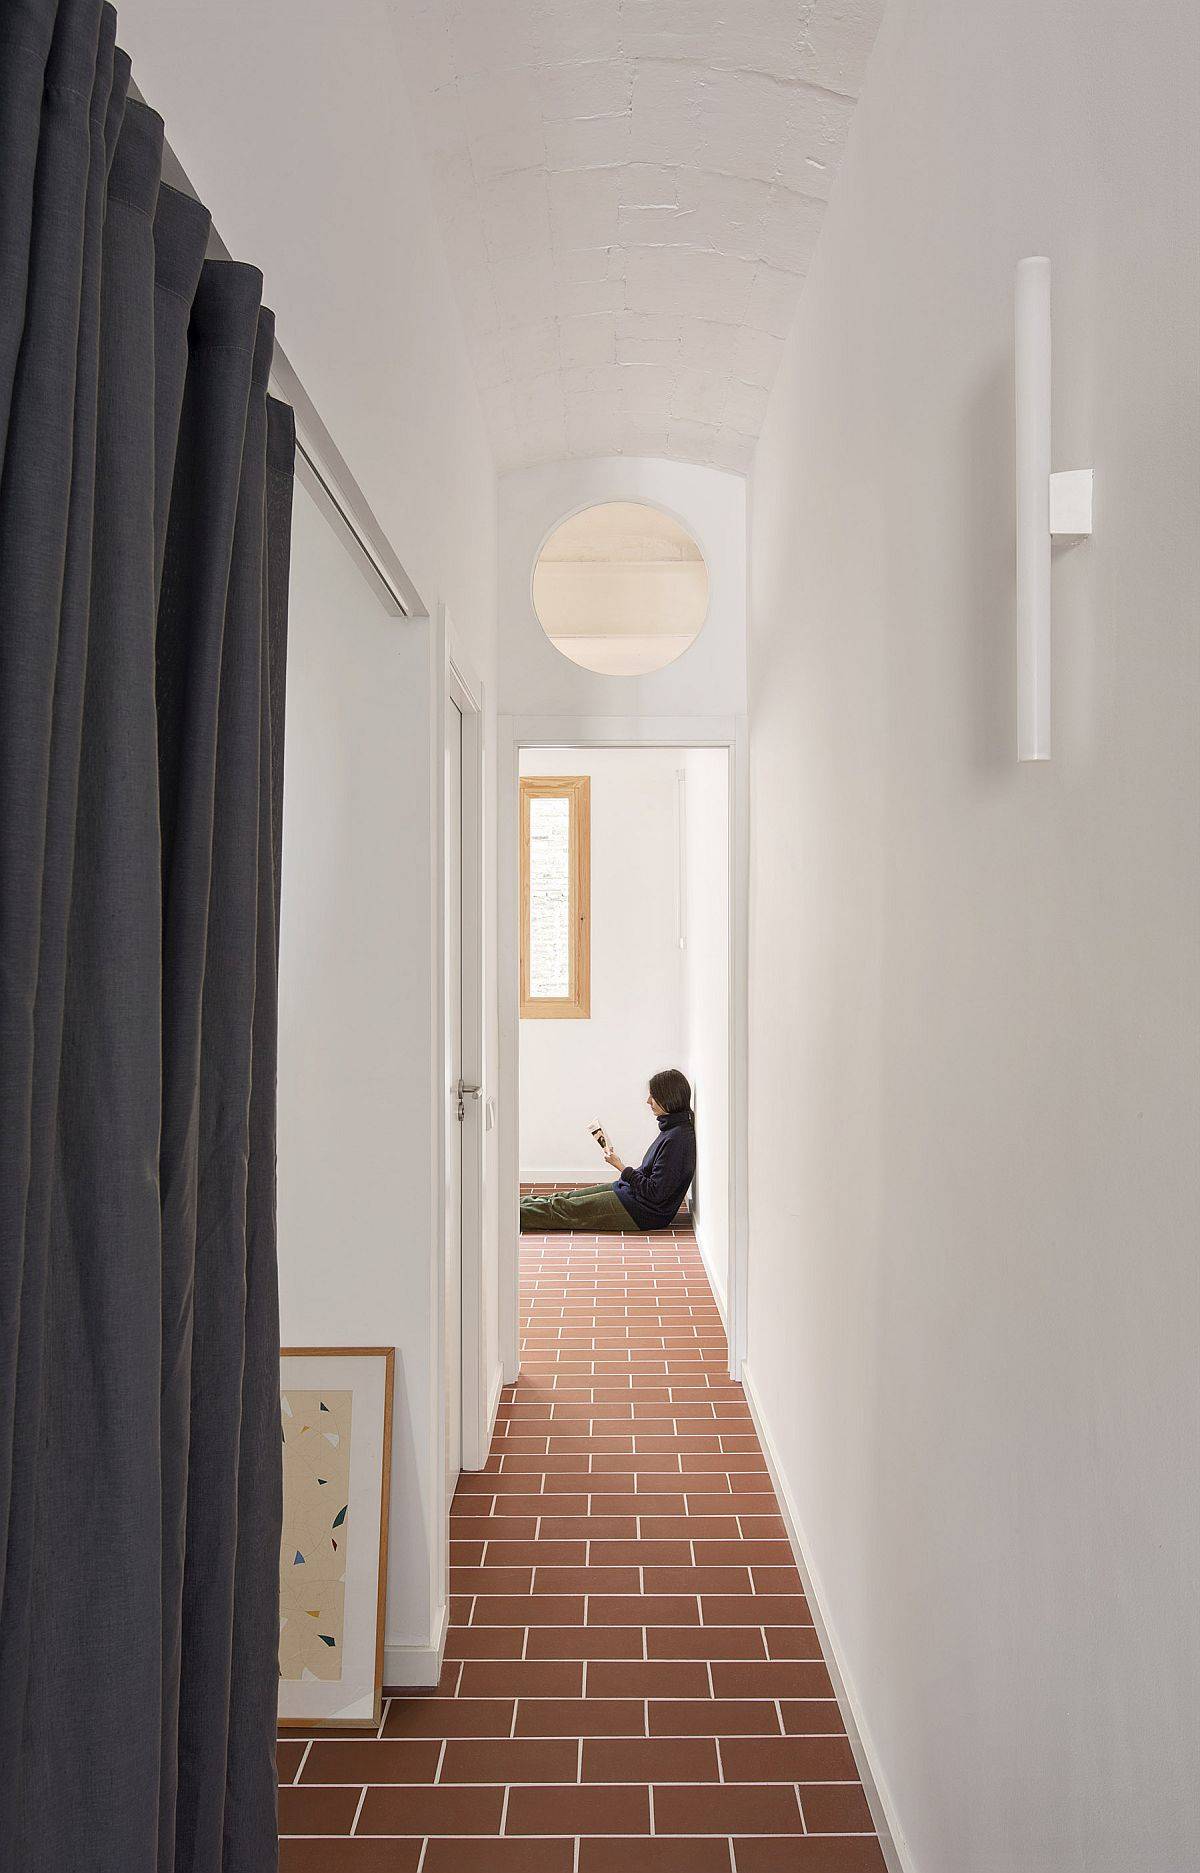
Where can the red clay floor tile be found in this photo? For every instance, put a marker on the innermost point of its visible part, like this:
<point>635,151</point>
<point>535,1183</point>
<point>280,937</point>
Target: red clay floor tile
<point>654,1856</point>
<point>788,1759</point>
<point>511,1760</point>
<point>651,1759</point>
<point>813,1853</point>
<point>836,1809</point>
<point>317,1810</point>
<point>289,1754</point>
<point>535,1677</point>
<point>372,1759</point>
<point>499,1856</point>
<point>722,1808</point>
<point>457,1809</point>
<point>597,1809</point>
<point>349,1856</point>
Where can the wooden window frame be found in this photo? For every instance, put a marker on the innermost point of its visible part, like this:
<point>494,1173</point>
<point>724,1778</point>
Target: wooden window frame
<point>577,789</point>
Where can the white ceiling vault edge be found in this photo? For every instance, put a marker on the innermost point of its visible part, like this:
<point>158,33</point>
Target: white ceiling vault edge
<point>630,193</point>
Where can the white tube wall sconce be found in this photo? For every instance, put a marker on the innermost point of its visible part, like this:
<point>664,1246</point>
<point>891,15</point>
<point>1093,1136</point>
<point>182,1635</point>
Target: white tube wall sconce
<point>1047,505</point>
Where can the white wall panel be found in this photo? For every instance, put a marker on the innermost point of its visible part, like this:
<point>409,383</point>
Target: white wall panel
<point>975,1183</point>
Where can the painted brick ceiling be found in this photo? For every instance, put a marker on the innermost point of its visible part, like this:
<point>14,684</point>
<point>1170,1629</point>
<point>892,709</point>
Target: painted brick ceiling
<point>630,193</point>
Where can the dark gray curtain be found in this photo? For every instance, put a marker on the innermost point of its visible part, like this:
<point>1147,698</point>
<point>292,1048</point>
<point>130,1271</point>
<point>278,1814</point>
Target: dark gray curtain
<point>145,505</point>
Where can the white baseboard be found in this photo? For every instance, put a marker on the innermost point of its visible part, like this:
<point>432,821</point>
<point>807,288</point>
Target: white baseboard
<point>494,1403</point>
<point>718,1297</point>
<point>489,1425</point>
<point>408,1666</point>
<point>896,1851</point>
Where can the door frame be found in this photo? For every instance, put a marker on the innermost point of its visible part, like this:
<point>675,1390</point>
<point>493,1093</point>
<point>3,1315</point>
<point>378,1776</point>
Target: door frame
<point>457,681</point>
<point>555,731</point>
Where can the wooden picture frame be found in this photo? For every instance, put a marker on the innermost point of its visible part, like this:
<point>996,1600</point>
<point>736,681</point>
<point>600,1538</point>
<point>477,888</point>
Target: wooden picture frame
<point>576,1005</point>
<point>349,1581</point>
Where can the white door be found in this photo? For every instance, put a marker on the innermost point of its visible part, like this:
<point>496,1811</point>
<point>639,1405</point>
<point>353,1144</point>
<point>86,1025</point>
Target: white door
<point>454,1128</point>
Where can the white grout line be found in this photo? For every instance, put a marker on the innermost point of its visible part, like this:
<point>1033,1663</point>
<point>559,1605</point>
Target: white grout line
<point>504,1810</point>
<point>767,1834</point>
<point>361,1799</point>
<point>303,1760</point>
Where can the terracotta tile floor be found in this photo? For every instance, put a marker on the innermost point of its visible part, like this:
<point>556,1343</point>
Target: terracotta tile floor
<point>632,1682</point>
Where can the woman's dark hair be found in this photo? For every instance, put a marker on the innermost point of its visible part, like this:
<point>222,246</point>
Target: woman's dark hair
<point>672,1091</point>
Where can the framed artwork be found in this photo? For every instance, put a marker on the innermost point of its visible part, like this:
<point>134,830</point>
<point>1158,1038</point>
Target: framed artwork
<point>336,1415</point>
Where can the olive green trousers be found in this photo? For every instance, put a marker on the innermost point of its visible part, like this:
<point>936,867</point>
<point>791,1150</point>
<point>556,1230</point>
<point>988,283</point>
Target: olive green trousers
<point>596,1211</point>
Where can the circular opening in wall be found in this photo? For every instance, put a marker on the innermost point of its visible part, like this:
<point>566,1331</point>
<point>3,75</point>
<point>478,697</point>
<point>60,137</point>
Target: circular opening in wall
<point>621,588</point>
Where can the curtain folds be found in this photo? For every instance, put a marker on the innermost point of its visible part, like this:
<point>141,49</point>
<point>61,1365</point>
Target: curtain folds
<point>145,505</point>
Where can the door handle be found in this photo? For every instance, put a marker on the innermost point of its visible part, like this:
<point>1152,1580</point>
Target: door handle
<point>463,1092</point>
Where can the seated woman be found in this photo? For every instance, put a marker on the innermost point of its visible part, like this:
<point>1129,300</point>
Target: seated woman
<point>646,1198</point>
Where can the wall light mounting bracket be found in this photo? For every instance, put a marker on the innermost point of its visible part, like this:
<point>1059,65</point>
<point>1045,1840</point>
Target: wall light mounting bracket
<point>1049,506</point>
<point>1071,504</point>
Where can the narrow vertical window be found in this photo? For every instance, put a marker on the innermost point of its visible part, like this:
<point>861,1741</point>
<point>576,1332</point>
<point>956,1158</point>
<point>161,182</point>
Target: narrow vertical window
<point>555,898</point>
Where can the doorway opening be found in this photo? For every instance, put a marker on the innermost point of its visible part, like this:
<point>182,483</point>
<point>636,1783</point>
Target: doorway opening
<point>624,858</point>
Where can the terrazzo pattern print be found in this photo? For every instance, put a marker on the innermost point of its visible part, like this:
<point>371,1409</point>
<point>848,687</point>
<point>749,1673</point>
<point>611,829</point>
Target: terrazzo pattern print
<point>312,1553</point>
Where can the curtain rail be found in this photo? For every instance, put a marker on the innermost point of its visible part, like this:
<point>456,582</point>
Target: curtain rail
<point>320,464</point>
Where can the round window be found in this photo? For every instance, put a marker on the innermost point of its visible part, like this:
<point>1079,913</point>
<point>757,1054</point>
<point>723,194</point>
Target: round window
<point>621,588</point>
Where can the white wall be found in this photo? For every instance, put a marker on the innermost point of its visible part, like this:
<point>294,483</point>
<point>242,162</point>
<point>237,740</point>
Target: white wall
<point>706,1005</point>
<point>574,1072</point>
<point>974,1167</point>
<point>354,1265</point>
<point>292,123</point>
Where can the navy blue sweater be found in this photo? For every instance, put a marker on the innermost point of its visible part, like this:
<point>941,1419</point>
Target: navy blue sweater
<point>653,1193</point>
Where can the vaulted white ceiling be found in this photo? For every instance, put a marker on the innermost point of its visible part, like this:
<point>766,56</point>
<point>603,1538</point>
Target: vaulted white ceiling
<point>630,192</point>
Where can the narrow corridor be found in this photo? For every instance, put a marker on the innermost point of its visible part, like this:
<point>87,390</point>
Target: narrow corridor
<point>632,1680</point>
